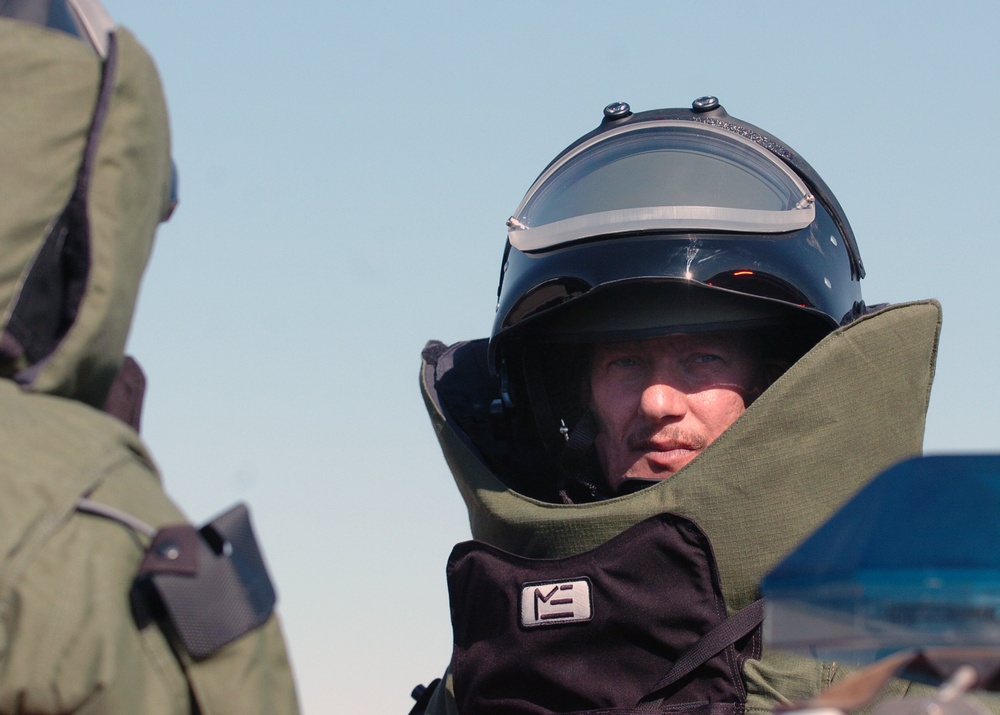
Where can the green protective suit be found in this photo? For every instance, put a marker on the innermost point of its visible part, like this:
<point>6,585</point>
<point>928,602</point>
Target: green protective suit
<point>68,639</point>
<point>848,409</point>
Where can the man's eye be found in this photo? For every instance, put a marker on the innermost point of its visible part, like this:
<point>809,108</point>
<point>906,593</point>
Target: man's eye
<point>624,362</point>
<point>706,358</point>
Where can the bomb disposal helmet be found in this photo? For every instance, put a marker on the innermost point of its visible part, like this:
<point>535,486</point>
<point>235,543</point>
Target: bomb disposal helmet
<point>671,220</point>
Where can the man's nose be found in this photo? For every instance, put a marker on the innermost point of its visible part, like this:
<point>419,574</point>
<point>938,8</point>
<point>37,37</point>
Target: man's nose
<point>662,400</point>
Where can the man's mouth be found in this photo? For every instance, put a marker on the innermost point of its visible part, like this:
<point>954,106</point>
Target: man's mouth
<point>668,453</point>
<point>665,443</point>
<point>670,458</point>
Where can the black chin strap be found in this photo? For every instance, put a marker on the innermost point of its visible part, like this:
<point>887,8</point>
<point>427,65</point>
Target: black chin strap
<point>577,481</point>
<point>579,440</point>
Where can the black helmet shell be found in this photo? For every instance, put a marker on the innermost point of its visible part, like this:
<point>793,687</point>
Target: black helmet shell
<point>675,197</point>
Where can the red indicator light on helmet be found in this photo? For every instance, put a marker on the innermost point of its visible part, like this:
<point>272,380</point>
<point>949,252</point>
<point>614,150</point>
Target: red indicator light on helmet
<point>742,273</point>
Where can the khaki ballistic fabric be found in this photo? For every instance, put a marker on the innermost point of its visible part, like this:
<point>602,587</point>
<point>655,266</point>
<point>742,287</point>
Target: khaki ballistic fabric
<point>66,638</point>
<point>850,408</point>
<point>55,78</point>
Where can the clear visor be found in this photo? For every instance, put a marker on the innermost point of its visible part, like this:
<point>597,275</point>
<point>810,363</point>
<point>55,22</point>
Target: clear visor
<point>668,175</point>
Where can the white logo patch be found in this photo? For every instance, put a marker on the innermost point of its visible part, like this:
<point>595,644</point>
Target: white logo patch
<point>551,602</point>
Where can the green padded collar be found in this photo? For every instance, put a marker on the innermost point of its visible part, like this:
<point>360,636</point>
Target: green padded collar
<point>851,407</point>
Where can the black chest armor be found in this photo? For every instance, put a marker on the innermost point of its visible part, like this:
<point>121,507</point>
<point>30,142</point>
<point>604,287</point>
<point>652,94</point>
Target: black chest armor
<point>637,625</point>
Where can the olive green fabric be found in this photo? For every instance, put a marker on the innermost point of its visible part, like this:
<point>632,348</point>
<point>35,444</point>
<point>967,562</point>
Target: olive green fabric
<point>851,407</point>
<point>55,78</point>
<point>68,639</point>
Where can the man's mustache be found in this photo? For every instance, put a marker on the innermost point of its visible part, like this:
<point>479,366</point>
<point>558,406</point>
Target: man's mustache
<point>652,438</point>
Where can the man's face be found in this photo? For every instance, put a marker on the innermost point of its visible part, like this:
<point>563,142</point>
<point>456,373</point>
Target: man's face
<point>660,402</point>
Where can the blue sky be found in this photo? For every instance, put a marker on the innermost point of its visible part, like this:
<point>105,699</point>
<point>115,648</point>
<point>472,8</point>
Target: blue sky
<point>346,170</point>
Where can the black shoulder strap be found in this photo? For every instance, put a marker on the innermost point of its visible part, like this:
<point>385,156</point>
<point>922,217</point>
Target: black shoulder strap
<point>211,582</point>
<point>737,626</point>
